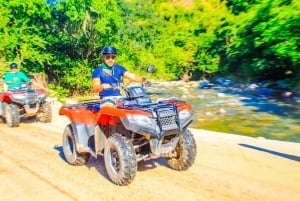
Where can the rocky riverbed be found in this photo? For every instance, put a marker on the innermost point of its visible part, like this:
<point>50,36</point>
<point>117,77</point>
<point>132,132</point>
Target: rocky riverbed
<point>245,110</point>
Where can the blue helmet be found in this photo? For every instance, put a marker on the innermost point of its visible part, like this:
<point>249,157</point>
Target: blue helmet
<point>109,50</point>
<point>13,65</point>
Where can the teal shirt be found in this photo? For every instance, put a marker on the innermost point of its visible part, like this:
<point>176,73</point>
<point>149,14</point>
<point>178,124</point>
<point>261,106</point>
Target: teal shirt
<point>14,80</point>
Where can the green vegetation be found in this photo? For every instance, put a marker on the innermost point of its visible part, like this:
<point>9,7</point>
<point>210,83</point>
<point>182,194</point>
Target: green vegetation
<point>250,39</point>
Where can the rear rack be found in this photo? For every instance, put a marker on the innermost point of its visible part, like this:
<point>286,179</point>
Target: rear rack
<point>84,104</point>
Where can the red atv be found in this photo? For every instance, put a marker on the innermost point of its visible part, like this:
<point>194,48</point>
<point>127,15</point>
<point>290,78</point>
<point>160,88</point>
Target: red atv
<point>24,102</point>
<point>135,129</point>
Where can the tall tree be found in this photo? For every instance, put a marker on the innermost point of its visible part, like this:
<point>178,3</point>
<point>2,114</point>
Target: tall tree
<point>22,31</point>
<point>267,42</point>
<point>79,30</point>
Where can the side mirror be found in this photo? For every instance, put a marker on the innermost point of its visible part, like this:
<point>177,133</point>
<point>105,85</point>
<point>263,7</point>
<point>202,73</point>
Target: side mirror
<point>150,68</point>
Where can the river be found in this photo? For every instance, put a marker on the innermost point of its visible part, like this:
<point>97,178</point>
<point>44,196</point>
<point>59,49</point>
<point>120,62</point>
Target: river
<point>231,110</point>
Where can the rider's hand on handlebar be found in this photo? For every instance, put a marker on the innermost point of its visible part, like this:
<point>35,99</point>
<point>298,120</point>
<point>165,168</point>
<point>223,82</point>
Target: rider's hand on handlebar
<point>146,82</point>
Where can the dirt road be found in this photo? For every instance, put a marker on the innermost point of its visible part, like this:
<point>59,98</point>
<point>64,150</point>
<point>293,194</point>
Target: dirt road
<point>227,167</point>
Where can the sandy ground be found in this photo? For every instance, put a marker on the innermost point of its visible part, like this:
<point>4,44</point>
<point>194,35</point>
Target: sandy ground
<point>227,167</point>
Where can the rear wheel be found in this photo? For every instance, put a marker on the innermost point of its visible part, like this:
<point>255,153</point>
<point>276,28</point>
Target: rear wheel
<point>120,160</point>
<point>12,115</point>
<point>69,149</point>
<point>45,114</point>
<point>184,154</point>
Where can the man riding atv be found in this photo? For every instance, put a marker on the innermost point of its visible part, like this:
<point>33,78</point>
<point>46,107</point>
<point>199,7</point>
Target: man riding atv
<point>20,100</point>
<point>108,75</point>
<point>15,78</point>
<point>135,129</point>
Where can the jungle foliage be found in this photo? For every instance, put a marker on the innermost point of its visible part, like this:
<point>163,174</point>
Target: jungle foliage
<point>254,39</point>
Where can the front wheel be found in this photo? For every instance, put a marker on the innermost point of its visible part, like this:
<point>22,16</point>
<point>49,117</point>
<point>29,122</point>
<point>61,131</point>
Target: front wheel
<point>184,154</point>
<point>120,160</point>
<point>45,114</point>
<point>12,115</point>
<point>69,149</point>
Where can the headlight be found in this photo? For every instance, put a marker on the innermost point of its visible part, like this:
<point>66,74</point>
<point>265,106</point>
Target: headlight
<point>184,114</point>
<point>139,119</point>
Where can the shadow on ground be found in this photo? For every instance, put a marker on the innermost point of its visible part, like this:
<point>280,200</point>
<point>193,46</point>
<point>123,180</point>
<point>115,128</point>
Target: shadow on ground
<point>98,163</point>
<point>280,154</point>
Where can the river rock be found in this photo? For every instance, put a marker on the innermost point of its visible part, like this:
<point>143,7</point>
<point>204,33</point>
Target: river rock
<point>222,111</point>
<point>221,95</point>
<point>287,94</point>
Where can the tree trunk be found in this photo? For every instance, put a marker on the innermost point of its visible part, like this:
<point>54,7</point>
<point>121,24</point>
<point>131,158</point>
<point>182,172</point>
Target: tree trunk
<point>39,81</point>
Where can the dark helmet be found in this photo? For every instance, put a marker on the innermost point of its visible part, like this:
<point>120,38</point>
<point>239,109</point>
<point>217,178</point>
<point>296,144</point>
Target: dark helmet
<point>109,50</point>
<point>13,65</point>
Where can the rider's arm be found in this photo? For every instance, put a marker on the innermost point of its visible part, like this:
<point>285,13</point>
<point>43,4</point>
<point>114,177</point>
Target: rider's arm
<point>96,81</point>
<point>24,77</point>
<point>98,86</point>
<point>134,77</point>
<point>8,79</point>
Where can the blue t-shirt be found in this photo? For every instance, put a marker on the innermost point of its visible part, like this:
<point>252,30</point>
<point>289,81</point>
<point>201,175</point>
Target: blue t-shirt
<point>113,79</point>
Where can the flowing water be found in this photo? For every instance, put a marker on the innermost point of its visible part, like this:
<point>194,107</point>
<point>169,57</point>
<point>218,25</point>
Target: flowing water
<point>234,111</point>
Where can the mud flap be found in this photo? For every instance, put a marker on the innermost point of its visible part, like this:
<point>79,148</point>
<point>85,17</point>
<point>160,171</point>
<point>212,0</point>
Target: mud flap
<point>82,133</point>
<point>158,148</point>
<point>100,140</point>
